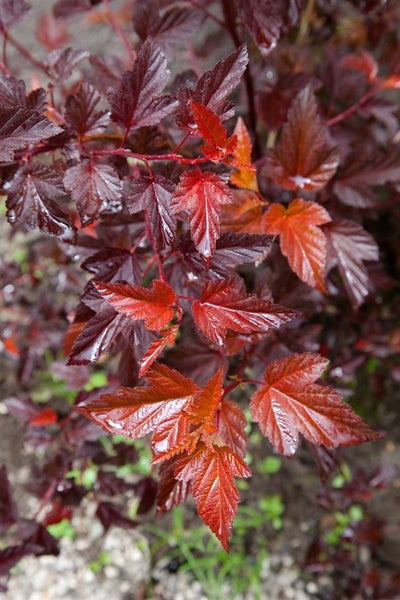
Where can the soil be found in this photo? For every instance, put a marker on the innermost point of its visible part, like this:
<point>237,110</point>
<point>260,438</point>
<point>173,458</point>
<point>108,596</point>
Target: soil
<point>135,573</point>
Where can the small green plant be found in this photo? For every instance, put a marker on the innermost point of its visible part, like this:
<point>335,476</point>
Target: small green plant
<point>199,552</point>
<point>103,559</point>
<point>63,529</point>
<point>343,521</point>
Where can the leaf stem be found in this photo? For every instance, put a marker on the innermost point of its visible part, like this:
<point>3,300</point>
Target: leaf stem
<point>118,30</point>
<point>149,157</point>
<point>28,56</point>
<point>354,107</point>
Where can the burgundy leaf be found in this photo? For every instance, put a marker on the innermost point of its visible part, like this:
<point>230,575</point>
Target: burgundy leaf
<point>155,195</point>
<point>137,101</point>
<point>62,62</point>
<point>110,513</point>
<point>114,264</point>
<point>81,114</point>
<point>11,555</point>
<point>349,245</point>
<point>12,11</point>
<point>67,8</point>
<point>171,491</point>
<point>8,508</point>
<point>95,188</point>
<point>12,92</point>
<point>34,195</point>
<point>303,159</point>
<point>264,22</point>
<point>168,28</point>
<point>20,127</point>
<point>232,427</point>
<point>352,185</point>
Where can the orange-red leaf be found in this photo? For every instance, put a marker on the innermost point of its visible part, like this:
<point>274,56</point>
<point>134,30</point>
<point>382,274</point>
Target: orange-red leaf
<point>135,412</point>
<point>209,126</point>
<point>212,470</point>
<point>301,241</point>
<point>47,416</point>
<point>202,193</point>
<point>291,403</point>
<point>245,176</point>
<point>362,61</point>
<point>153,306</point>
<point>244,214</point>
<point>232,427</point>
<point>206,402</point>
<point>303,159</point>
<point>166,338</point>
<point>225,304</point>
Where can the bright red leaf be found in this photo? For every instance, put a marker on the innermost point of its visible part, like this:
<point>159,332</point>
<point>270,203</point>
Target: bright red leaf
<point>202,193</point>
<point>135,412</point>
<point>205,405</point>
<point>154,306</point>
<point>291,403</point>
<point>166,338</point>
<point>232,427</point>
<point>210,128</point>
<point>301,241</point>
<point>362,61</point>
<point>212,469</point>
<point>303,158</point>
<point>225,304</point>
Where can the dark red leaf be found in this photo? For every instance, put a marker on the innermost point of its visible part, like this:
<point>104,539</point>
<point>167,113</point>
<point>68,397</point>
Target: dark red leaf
<point>291,403</point>
<point>137,102</point>
<point>8,508</point>
<point>95,188</point>
<point>155,195</point>
<point>224,305</point>
<point>80,112</point>
<point>67,8</point>
<point>349,245</point>
<point>303,159</point>
<point>11,555</point>
<point>110,513</point>
<point>20,127</point>
<point>171,491</point>
<point>352,185</point>
<point>114,264</point>
<point>202,193</point>
<point>168,28</point>
<point>62,62</point>
<point>264,22</point>
<point>12,92</point>
<point>34,195</point>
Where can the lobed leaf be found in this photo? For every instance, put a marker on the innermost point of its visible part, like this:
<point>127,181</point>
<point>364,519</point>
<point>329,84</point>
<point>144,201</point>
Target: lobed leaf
<point>349,245</point>
<point>303,158</point>
<point>154,194</point>
<point>95,188</point>
<point>20,127</point>
<point>291,403</point>
<point>209,126</point>
<point>154,306</point>
<point>301,241</point>
<point>81,115</point>
<point>34,195</point>
<point>212,469</point>
<point>202,193</point>
<point>224,304</point>
<point>137,101</point>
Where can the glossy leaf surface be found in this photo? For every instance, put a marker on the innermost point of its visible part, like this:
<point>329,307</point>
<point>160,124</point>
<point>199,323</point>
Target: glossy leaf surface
<point>291,403</point>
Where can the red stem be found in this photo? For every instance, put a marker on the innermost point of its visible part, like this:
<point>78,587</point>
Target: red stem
<point>354,107</point>
<point>114,24</point>
<point>39,65</point>
<point>149,157</point>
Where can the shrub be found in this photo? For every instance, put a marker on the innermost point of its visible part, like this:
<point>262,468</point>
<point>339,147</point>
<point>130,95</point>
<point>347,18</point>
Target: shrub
<point>220,225</point>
